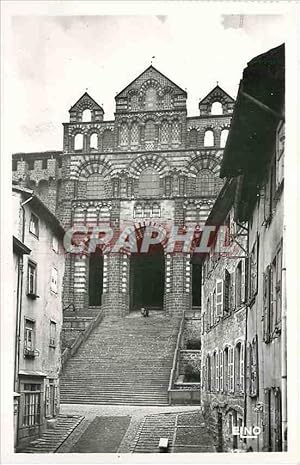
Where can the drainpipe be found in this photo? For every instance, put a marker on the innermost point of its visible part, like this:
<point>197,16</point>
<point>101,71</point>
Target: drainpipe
<point>283,351</point>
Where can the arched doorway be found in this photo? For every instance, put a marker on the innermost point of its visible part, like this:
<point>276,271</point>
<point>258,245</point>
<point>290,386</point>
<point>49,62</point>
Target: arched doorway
<point>147,277</point>
<point>95,278</point>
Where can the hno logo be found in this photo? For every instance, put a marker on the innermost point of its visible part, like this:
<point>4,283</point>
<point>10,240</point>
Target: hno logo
<point>246,432</point>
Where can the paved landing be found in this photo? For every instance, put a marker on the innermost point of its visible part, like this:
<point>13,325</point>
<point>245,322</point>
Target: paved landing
<point>103,435</point>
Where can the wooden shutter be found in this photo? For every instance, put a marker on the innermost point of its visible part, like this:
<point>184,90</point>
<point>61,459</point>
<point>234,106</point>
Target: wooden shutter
<point>277,422</point>
<point>217,372</point>
<point>254,368</point>
<point>248,368</point>
<point>242,374</point>
<point>227,291</point>
<point>267,422</point>
<point>219,298</point>
<point>221,371</point>
<point>47,399</point>
<point>56,400</point>
<point>243,283</point>
<point>230,369</point>
<point>266,306</point>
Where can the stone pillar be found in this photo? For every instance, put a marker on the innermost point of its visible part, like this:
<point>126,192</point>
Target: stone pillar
<point>115,299</point>
<point>178,284</point>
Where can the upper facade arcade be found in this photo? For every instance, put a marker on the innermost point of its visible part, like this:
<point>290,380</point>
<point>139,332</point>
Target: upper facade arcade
<point>150,115</point>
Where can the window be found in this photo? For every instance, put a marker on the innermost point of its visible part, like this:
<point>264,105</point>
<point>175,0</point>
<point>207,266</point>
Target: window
<point>254,369</point>
<point>253,270</point>
<point>280,142</point>
<point>34,225</point>
<point>134,140</point>
<point>149,131</point>
<point>94,141</point>
<point>86,116</point>
<point>217,108</point>
<point>116,187</point>
<point>208,374</point>
<point>134,102</point>
<point>52,341</point>
<point>182,185</point>
<point>150,99</point>
<point>29,335</point>
<point>44,163</point>
<point>175,132</point>
<point>156,210</point>
<point>124,135</point>
<point>193,137</point>
<point>53,284</point>
<point>205,183</point>
<point>272,298</point>
<point>138,211</point>
<point>239,368</point>
<point>231,369</point>
<point>31,279</point>
<point>55,244</point>
<point>209,140</point>
<point>149,183</point>
<point>168,186</point>
<point>224,135</point>
<point>217,381</point>
<point>167,101</point>
<point>107,140</point>
<point>221,372</point>
<point>95,186</point>
<point>225,368</point>
<point>32,404</point>
<point>164,132</point>
<point>78,142</point>
<point>219,299</point>
<point>227,285</point>
<point>238,285</point>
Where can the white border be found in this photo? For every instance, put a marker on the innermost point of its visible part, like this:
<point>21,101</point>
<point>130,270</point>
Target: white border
<point>10,8</point>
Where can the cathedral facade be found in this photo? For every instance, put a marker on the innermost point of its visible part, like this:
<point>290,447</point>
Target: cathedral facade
<point>152,164</point>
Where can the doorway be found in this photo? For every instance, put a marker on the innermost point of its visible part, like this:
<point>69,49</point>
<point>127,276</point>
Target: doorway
<point>95,278</point>
<point>147,276</point>
<point>196,284</point>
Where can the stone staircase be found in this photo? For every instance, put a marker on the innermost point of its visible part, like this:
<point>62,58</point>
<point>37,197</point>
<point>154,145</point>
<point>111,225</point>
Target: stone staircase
<point>124,361</point>
<point>53,437</point>
<point>151,430</point>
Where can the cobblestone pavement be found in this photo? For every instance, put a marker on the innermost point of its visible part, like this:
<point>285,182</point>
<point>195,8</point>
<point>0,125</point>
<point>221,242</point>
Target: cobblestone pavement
<point>136,413</point>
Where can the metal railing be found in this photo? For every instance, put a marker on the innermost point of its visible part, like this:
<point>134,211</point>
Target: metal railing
<point>175,358</point>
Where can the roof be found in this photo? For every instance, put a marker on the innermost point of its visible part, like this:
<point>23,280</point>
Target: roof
<point>218,89</point>
<point>156,70</point>
<point>42,209</point>
<point>37,154</point>
<point>223,204</point>
<point>257,113</point>
<point>86,96</point>
<point>19,247</point>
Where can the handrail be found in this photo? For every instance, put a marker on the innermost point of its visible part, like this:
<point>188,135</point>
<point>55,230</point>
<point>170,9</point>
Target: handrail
<point>176,352</point>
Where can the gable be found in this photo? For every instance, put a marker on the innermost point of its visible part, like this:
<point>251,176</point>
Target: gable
<point>217,94</point>
<point>150,76</point>
<point>86,102</point>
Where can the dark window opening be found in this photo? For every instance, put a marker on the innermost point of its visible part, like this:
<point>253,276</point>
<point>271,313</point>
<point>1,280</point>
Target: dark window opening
<point>44,164</point>
<point>95,278</point>
<point>196,284</point>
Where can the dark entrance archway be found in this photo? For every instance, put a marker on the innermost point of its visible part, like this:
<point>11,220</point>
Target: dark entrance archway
<point>147,279</point>
<point>95,278</point>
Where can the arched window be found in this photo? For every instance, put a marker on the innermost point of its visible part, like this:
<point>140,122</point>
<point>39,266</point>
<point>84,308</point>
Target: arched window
<point>116,187</point>
<point>164,132</point>
<point>175,132</point>
<point>149,131</point>
<point>94,141</point>
<point>193,137</point>
<point>224,135</point>
<point>134,134</point>
<point>150,99</point>
<point>209,140</point>
<point>86,116</point>
<point>217,108</point>
<point>78,142</point>
<point>149,183</point>
<point>107,140</point>
<point>167,101</point>
<point>205,183</point>
<point>124,134</point>
<point>134,102</point>
<point>95,186</point>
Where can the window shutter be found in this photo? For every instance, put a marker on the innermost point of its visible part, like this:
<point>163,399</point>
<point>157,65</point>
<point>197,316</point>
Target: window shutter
<point>248,368</point>
<point>47,399</point>
<point>254,368</point>
<point>204,376</point>
<point>267,414</point>
<point>217,372</point>
<point>256,265</point>
<point>266,306</point>
<point>277,422</point>
<point>56,400</point>
<point>243,290</point>
<point>221,371</point>
<point>231,369</point>
<point>242,374</point>
<point>219,298</point>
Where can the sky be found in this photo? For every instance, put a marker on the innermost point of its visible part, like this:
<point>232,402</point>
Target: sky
<point>55,59</point>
